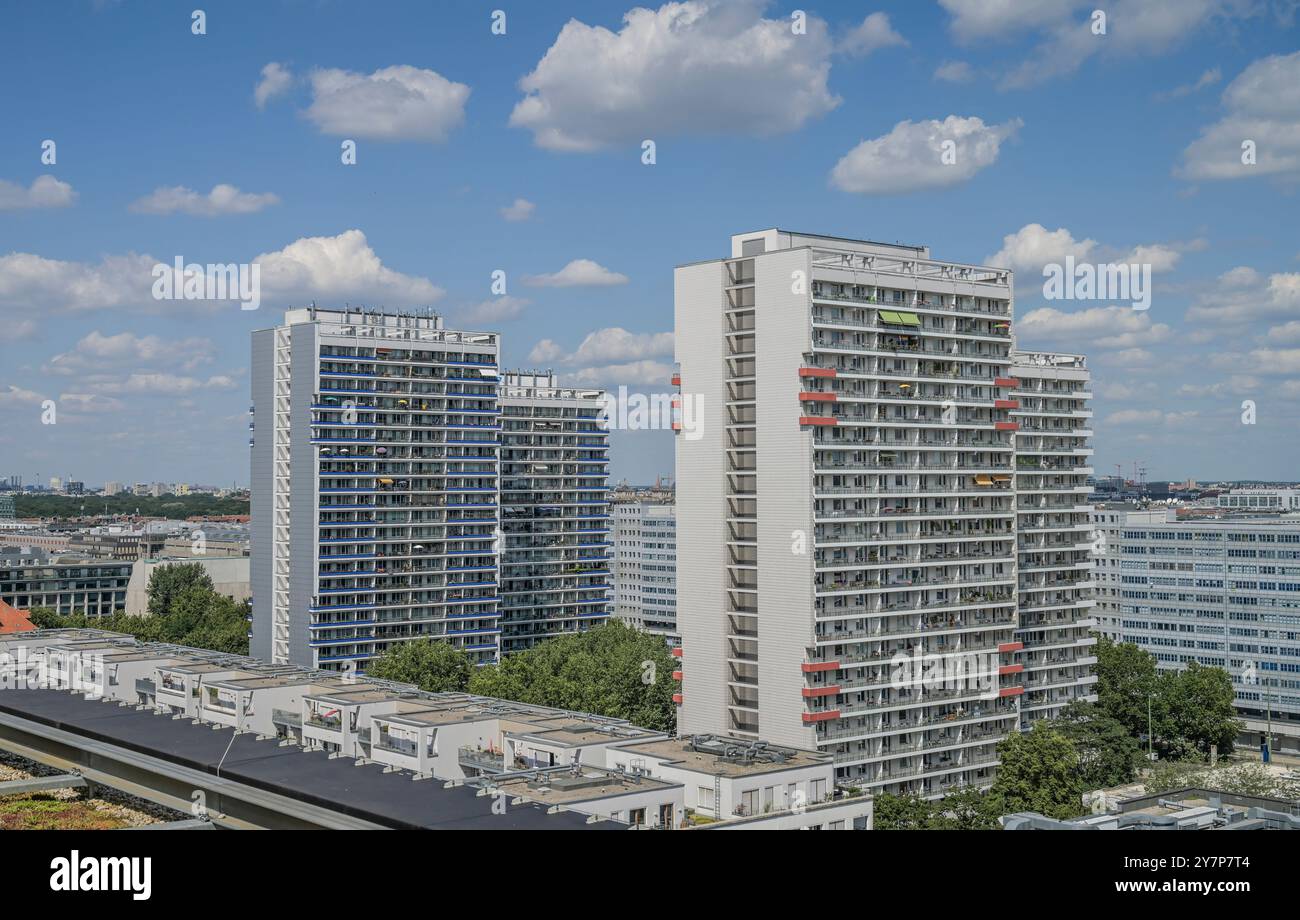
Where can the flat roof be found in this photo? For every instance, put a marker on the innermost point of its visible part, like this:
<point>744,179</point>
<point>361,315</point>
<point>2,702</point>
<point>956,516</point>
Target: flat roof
<point>356,695</point>
<point>564,786</point>
<point>677,751</point>
<point>340,784</point>
<point>569,731</point>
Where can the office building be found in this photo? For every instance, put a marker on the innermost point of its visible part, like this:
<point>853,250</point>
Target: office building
<point>1260,500</point>
<point>1053,532</point>
<point>374,487</point>
<point>645,565</point>
<point>845,503</point>
<point>555,548</point>
<point>1224,592</point>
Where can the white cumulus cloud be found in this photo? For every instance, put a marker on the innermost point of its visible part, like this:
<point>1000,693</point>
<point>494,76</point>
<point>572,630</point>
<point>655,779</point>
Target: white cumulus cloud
<point>44,192</point>
<point>401,103</point>
<point>922,155</point>
<point>276,80</point>
<point>1262,107</point>
<point>695,67</point>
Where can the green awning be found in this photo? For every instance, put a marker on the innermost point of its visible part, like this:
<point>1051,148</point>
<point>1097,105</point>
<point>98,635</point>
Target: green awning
<point>900,319</point>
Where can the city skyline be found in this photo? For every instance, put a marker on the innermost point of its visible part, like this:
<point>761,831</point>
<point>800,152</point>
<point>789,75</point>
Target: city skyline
<point>474,156</point>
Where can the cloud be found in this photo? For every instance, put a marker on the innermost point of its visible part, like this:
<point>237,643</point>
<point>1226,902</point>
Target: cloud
<point>1100,328</point>
<point>15,397</point>
<point>976,20</point>
<point>642,373</point>
<point>954,72</point>
<point>162,384</point>
<point>872,34</point>
<point>276,80</point>
<point>32,283</point>
<point>1261,105</point>
<point>696,67</point>
<point>545,352</point>
<point>578,273</point>
<point>44,192</point>
<point>1242,296</point>
<point>342,267</point>
<point>914,156</point>
<point>519,209</point>
<point>329,268</point>
<point>1208,78</point>
<point>222,200</point>
<point>611,356</point>
<point>87,404</point>
<point>19,330</point>
<point>497,310</point>
<point>401,103</point>
<point>1064,29</point>
<point>98,354</point>
<point>1027,251</point>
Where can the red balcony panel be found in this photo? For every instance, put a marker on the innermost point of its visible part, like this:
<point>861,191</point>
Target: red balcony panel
<point>1011,669</point>
<point>1010,647</point>
<point>677,675</point>
<point>676,653</point>
<point>676,380</point>
<point>818,397</point>
<point>815,692</point>
<point>816,372</point>
<point>1005,382</point>
<point>1006,426</point>
<point>677,698</point>
<point>677,426</point>
<point>1006,403</point>
<point>810,717</point>
<point>1011,691</point>
<point>816,667</point>
<point>817,421</point>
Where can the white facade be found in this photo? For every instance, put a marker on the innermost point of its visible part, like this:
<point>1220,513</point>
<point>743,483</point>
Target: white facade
<point>1053,532</point>
<point>374,487</point>
<point>555,550</point>
<point>838,506</point>
<point>645,567</point>
<point>1223,592</point>
<point>1260,500</point>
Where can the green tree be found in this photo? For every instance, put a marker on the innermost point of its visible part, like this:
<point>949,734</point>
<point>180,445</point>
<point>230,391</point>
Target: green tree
<point>1039,771</point>
<point>1126,684</point>
<point>969,809</point>
<point>611,670</point>
<point>168,581</point>
<point>432,665</point>
<point>1108,753</point>
<point>901,813</point>
<point>1197,710</point>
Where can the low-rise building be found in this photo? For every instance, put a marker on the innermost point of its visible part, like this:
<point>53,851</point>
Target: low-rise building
<point>607,769</point>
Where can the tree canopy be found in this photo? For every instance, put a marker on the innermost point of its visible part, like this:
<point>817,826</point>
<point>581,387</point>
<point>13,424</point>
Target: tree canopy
<point>612,670</point>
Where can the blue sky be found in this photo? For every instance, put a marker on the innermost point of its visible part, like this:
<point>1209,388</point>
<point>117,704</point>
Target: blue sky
<point>1120,146</point>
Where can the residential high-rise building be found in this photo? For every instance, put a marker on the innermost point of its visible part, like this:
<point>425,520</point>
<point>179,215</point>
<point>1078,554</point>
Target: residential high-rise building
<point>845,506</point>
<point>1051,405</point>
<point>112,488</point>
<point>1223,592</point>
<point>645,566</point>
<point>555,547</point>
<point>374,487</point>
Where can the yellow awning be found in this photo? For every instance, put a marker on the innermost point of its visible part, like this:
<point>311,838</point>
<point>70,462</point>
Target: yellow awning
<point>982,480</point>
